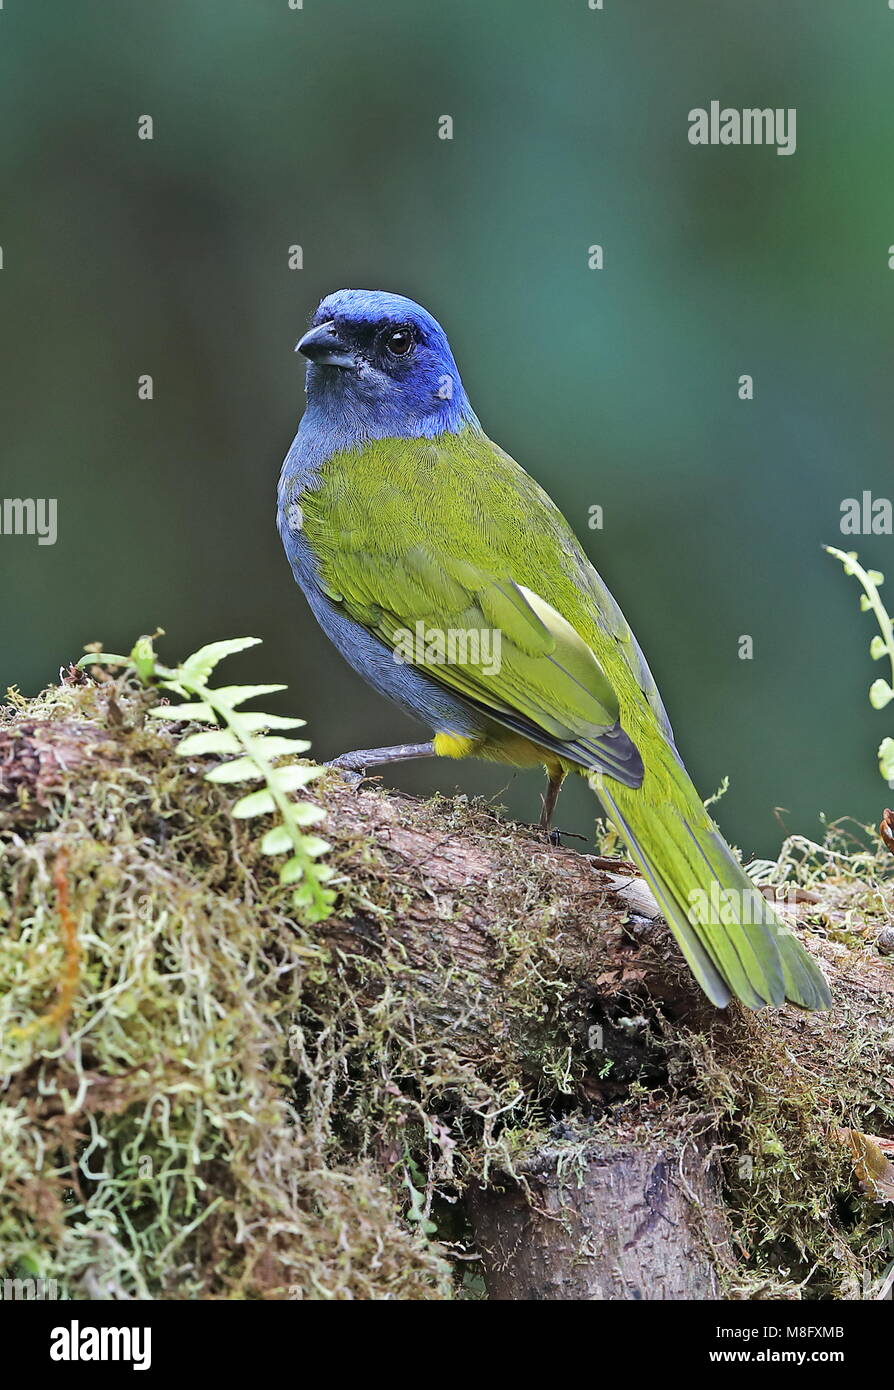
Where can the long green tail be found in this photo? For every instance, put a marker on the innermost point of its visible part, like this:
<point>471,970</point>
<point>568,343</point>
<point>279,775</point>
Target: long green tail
<point>728,932</point>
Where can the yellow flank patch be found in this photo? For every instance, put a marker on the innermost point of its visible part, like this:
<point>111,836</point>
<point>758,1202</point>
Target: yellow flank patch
<point>453,746</point>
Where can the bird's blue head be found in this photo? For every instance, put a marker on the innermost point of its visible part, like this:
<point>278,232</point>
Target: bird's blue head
<point>379,366</point>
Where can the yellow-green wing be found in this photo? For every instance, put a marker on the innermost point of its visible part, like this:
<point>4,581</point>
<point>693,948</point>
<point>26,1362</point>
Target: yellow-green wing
<point>402,578</point>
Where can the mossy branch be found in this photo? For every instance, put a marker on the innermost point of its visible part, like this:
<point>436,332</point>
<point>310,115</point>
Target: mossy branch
<point>488,1049</point>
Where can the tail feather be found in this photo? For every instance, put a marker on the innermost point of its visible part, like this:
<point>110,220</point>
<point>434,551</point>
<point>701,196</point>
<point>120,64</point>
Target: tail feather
<point>805,983</point>
<point>729,933</point>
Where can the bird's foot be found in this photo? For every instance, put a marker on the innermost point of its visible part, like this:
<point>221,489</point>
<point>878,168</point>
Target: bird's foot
<point>551,835</point>
<point>353,779</point>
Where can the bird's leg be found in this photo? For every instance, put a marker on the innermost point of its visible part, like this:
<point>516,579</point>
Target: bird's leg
<point>363,758</point>
<point>550,797</point>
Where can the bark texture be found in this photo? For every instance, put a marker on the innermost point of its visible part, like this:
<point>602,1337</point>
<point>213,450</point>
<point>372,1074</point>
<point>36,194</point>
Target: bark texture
<point>626,1224</point>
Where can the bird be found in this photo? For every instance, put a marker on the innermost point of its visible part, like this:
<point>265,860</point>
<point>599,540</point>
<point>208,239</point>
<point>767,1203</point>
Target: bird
<point>410,531</point>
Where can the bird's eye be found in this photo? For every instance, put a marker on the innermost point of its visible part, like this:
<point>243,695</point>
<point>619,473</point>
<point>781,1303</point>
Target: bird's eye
<point>400,341</point>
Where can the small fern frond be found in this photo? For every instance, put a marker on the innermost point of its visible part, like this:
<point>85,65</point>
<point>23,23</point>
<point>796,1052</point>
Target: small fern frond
<point>881,692</point>
<point>251,753</point>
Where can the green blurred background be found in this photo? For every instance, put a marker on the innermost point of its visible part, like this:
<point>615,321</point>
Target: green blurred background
<point>318,127</point>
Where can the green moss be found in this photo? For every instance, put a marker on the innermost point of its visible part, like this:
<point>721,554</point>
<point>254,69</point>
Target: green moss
<point>233,1104</point>
<point>150,1145</point>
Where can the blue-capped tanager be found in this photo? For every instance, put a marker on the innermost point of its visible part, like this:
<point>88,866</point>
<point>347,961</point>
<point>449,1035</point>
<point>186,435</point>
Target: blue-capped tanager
<point>404,523</point>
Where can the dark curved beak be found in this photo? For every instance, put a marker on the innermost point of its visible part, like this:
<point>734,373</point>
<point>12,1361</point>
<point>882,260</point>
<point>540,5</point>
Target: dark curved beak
<point>322,346</point>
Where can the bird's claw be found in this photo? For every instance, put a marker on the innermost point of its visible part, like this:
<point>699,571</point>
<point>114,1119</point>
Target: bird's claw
<point>349,774</point>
